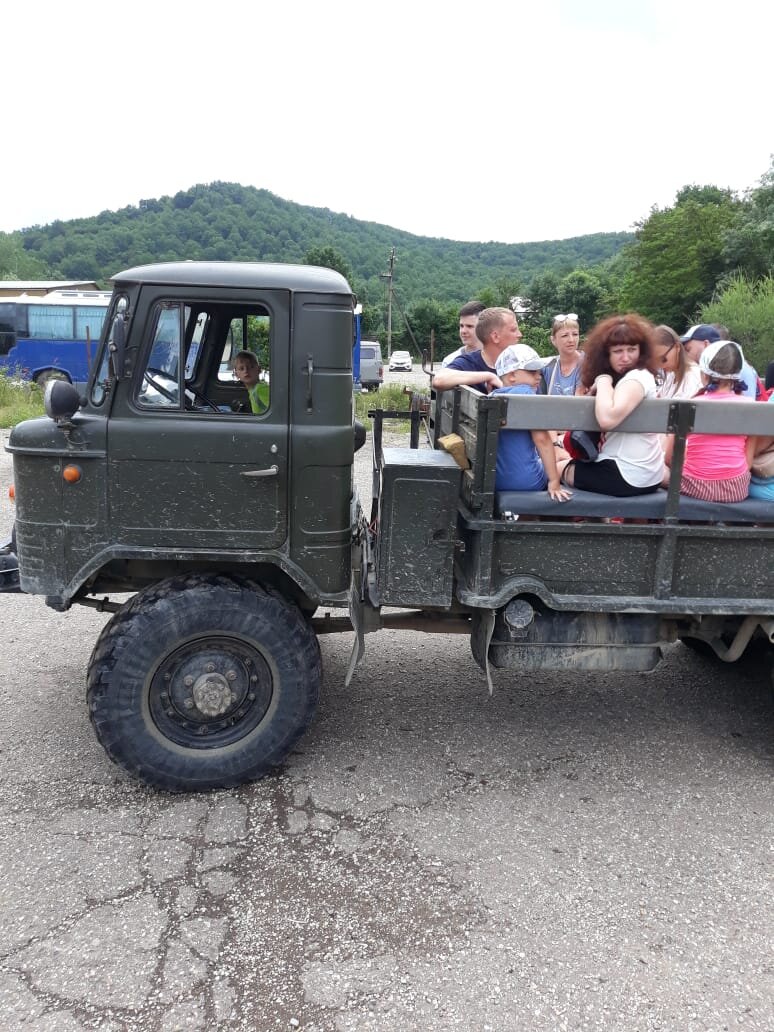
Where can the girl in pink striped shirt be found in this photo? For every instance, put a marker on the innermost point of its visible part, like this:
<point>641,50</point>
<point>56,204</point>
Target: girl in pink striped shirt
<point>717,466</point>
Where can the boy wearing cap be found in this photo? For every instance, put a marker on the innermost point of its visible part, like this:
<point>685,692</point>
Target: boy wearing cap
<point>526,459</point>
<point>696,339</point>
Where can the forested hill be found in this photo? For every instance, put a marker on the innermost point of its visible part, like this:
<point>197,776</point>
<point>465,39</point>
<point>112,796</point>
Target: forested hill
<point>226,221</point>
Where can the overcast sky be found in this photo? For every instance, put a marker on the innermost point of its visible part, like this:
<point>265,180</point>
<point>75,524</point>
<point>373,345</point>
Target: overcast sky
<point>488,120</point>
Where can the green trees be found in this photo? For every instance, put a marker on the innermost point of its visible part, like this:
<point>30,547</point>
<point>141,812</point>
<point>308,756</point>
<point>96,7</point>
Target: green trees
<point>430,320</point>
<point>683,257</point>
<point>229,222</point>
<point>499,294</point>
<point>709,258</point>
<point>329,258</point>
<point>18,264</point>
<point>749,243</point>
<point>580,291</point>
<point>746,307</point>
<point>543,298</point>
<point>677,257</point>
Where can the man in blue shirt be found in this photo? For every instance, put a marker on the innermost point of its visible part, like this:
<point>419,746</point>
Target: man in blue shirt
<point>497,329</point>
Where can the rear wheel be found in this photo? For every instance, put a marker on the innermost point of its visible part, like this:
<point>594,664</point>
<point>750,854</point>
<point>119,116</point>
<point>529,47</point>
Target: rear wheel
<point>203,682</point>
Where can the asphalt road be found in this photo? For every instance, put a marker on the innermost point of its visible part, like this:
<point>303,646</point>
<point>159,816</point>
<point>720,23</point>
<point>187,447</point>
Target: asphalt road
<point>417,378</point>
<point>570,853</point>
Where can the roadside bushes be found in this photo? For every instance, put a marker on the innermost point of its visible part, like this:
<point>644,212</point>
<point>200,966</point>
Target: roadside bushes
<point>746,307</point>
<point>19,400</point>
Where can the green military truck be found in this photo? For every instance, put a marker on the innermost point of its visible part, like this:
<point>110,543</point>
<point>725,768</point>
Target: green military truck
<point>238,535</point>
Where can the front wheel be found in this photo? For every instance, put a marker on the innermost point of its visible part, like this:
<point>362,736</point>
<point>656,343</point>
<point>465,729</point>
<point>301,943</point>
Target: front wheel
<point>203,682</point>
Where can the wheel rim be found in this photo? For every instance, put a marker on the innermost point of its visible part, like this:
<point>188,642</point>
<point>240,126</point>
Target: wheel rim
<point>210,693</point>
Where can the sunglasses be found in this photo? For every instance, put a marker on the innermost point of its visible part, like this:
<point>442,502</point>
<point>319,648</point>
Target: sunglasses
<point>570,317</point>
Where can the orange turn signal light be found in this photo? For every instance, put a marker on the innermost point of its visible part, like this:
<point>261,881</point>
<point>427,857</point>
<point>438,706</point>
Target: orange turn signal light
<point>12,492</point>
<point>72,474</point>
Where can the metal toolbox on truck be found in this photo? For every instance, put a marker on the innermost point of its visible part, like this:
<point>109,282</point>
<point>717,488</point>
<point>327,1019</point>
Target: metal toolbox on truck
<point>418,527</point>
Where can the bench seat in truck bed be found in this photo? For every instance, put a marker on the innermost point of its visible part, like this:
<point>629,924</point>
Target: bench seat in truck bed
<point>651,507</point>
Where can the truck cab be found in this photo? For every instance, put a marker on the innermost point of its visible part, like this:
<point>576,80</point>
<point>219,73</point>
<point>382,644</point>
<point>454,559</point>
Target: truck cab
<point>165,468</point>
<point>229,527</point>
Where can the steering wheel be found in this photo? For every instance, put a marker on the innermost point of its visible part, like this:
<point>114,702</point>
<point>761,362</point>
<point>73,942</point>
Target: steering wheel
<point>150,375</point>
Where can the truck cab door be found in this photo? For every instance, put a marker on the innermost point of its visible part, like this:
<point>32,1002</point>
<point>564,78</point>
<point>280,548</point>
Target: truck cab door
<point>191,466</point>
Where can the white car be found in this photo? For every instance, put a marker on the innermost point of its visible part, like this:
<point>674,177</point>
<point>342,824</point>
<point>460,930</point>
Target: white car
<point>400,360</point>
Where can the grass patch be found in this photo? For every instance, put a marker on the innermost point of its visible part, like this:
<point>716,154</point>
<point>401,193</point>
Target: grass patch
<point>389,397</point>
<point>19,400</point>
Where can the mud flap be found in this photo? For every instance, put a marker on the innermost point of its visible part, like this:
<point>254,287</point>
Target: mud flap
<point>480,639</point>
<point>358,645</point>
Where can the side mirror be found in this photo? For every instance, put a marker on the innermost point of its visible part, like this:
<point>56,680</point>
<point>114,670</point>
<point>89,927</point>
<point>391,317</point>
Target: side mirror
<point>61,401</point>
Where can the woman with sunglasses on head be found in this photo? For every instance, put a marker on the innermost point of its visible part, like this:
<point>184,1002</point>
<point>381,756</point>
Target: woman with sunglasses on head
<point>682,378</point>
<point>562,374</point>
<point>617,370</point>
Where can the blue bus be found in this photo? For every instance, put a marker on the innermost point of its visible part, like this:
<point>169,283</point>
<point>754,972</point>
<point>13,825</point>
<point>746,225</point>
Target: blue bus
<point>56,335</point>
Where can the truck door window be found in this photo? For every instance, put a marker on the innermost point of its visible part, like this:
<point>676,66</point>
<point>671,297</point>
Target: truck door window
<point>194,348</point>
<point>191,357</point>
<point>247,332</point>
<point>160,385</point>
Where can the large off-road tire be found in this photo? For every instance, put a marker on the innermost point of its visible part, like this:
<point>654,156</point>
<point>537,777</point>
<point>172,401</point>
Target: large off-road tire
<point>203,682</point>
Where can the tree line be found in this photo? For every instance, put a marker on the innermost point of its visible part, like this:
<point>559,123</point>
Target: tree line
<point>228,222</point>
<point>707,257</point>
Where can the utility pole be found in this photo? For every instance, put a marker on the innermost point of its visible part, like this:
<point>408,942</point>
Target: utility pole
<point>388,276</point>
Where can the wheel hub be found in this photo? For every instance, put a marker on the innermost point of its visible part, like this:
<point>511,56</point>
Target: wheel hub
<point>210,692</point>
<point>212,695</point>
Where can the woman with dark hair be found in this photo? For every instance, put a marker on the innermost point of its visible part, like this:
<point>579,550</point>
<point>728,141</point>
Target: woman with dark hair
<point>620,352</point>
